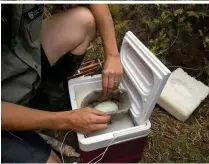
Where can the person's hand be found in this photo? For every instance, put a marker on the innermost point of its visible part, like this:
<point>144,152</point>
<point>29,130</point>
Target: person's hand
<point>87,120</point>
<point>112,73</point>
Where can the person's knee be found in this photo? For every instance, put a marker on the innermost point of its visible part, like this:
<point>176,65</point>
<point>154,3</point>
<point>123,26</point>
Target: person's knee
<point>87,20</point>
<point>57,41</point>
<point>88,25</point>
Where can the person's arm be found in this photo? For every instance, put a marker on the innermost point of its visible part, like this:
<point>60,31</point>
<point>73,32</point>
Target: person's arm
<point>113,70</point>
<point>17,117</point>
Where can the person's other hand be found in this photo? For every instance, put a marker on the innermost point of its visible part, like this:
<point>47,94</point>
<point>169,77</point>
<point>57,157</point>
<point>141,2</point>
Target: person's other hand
<point>112,73</point>
<point>87,120</point>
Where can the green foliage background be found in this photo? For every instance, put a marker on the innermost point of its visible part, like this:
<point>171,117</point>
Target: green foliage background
<point>166,22</point>
<point>177,34</point>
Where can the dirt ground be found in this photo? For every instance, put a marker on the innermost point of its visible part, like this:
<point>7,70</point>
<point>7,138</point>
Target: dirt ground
<point>173,141</point>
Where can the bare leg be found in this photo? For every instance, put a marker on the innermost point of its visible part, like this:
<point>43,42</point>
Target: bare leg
<point>53,158</point>
<point>69,31</point>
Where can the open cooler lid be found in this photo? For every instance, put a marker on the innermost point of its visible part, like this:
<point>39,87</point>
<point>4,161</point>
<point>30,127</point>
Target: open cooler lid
<point>144,77</point>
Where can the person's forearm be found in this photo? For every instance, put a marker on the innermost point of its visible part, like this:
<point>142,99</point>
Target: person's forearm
<point>105,26</point>
<point>17,117</point>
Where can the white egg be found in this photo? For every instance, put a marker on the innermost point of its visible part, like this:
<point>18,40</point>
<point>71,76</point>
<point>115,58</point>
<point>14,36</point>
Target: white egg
<point>107,106</point>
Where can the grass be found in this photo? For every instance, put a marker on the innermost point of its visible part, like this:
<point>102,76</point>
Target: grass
<point>173,141</point>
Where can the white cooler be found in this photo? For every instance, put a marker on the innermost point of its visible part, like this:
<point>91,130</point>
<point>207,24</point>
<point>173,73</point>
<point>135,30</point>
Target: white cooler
<point>144,79</point>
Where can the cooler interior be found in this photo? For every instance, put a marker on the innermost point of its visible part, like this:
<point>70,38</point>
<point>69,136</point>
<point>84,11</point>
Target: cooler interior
<point>116,124</point>
<point>128,150</point>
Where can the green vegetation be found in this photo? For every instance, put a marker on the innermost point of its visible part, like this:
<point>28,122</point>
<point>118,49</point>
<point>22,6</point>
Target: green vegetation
<point>177,34</point>
<point>169,24</point>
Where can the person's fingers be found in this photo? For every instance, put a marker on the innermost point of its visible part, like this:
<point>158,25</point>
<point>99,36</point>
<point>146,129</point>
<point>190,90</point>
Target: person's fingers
<point>117,81</point>
<point>110,83</point>
<point>117,78</point>
<point>92,128</point>
<point>84,132</point>
<point>100,119</point>
<point>98,127</point>
<point>104,81</point>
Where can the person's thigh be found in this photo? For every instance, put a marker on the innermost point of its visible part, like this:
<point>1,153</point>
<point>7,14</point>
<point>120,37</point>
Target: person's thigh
<point>68,31</point>
<point>24,147</point>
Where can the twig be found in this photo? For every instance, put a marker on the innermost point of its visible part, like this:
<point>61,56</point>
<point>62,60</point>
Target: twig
<point>198,122</point>
<point>168,136</point>
<point>90,47</point>
<point>170,45</point>
<point>47,14</point>
<point>200,73</point>
<point>152,157</point>
<point>194,69</point>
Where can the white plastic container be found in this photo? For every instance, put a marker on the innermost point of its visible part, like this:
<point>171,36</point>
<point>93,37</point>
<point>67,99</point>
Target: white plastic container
<point>144,78</point>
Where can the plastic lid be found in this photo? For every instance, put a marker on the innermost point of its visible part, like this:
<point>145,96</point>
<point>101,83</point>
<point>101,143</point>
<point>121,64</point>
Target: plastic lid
<point>144,77</point>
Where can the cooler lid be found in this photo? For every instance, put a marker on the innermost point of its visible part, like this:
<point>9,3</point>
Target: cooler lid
<point>144,76</point>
